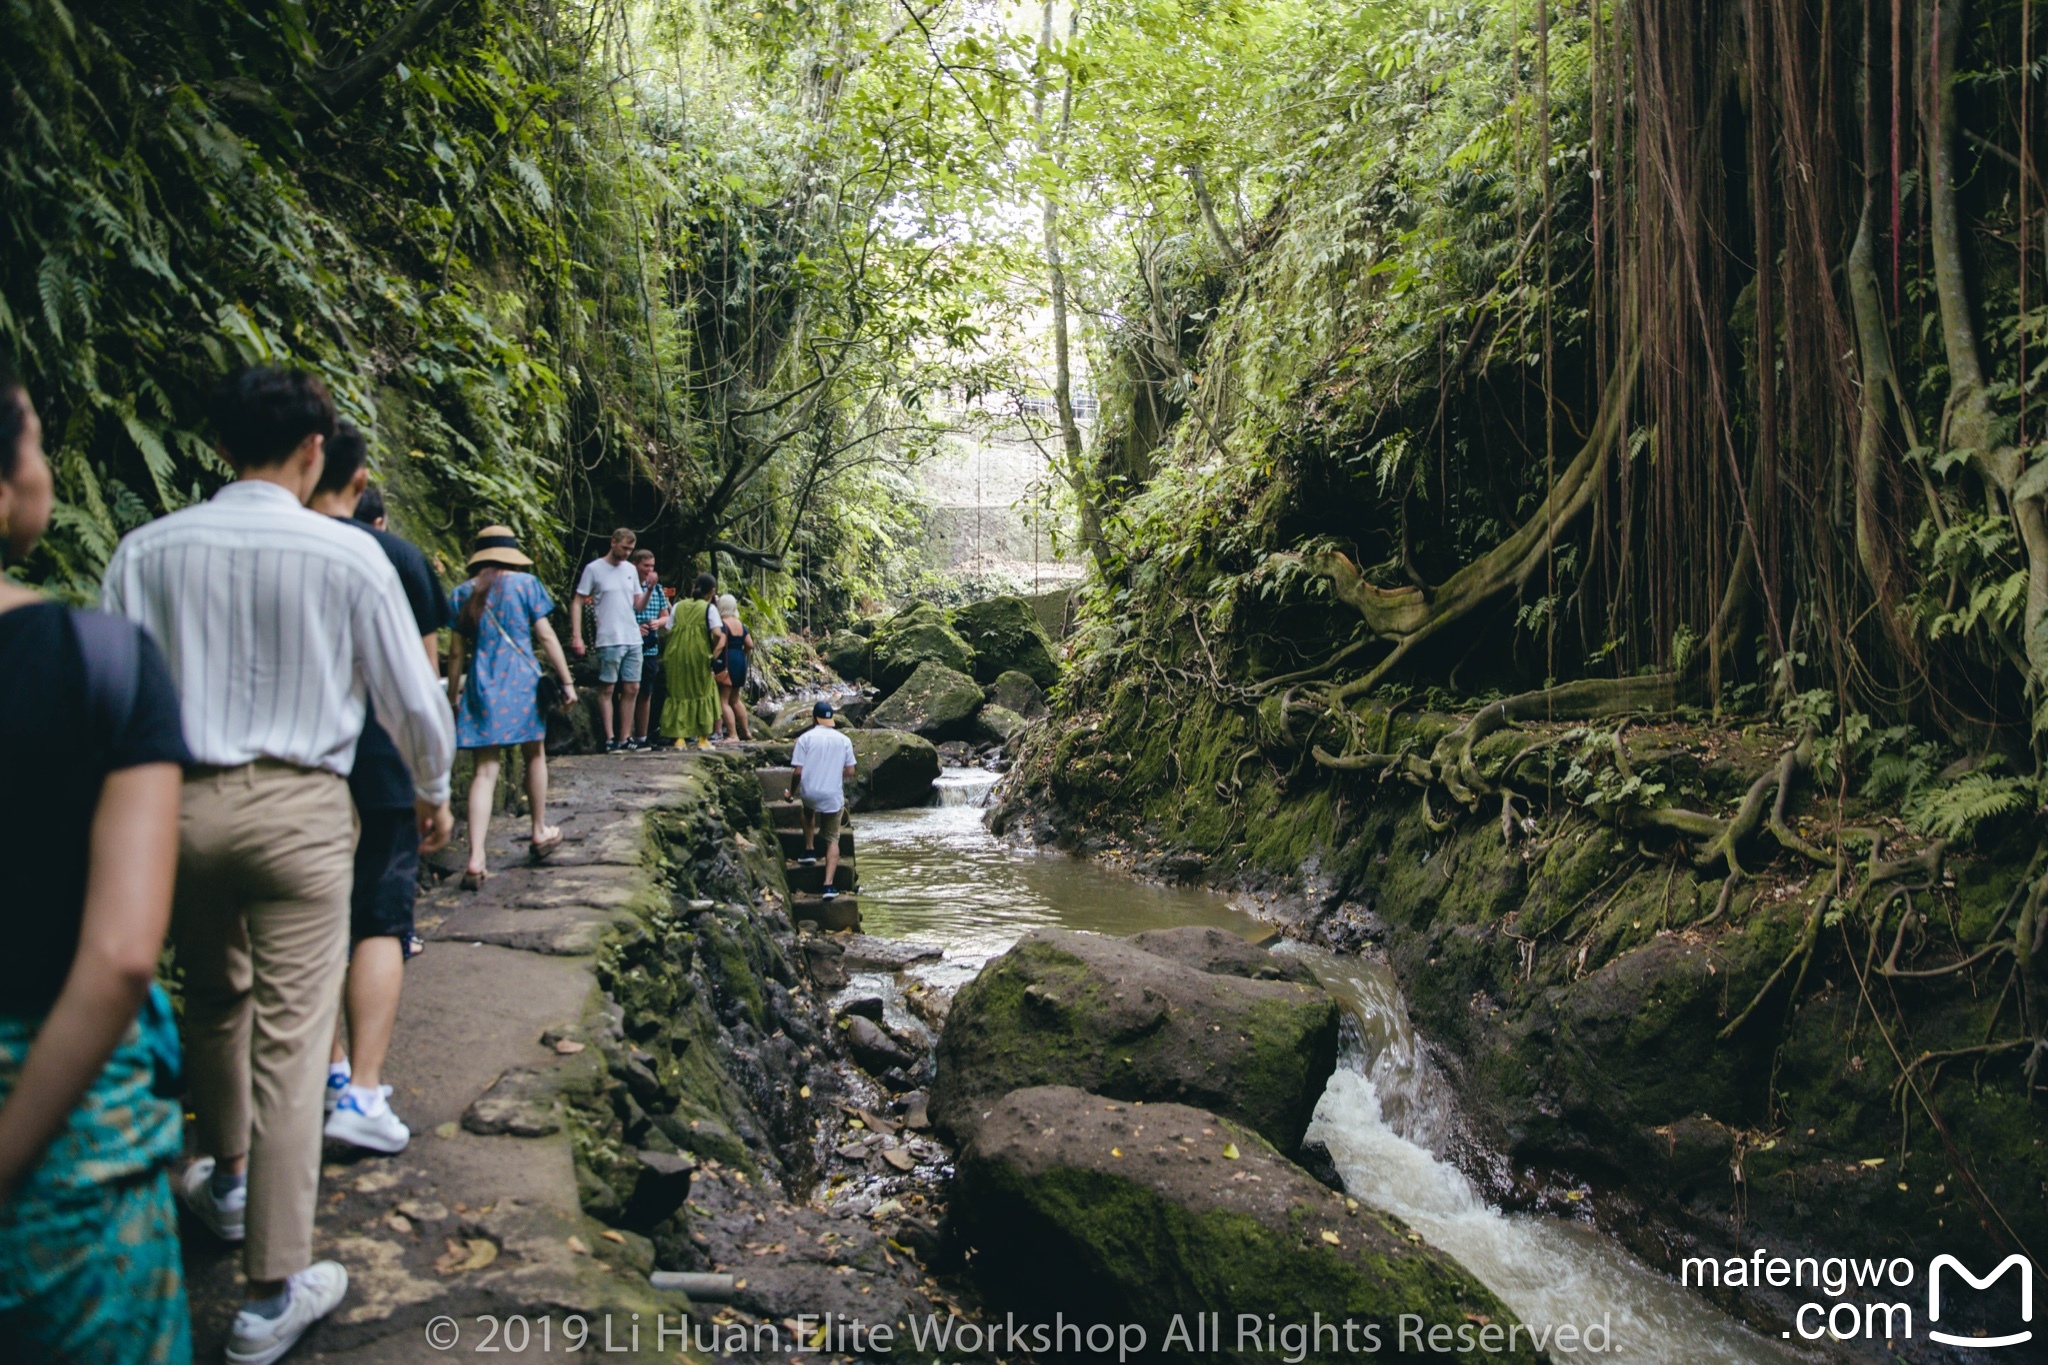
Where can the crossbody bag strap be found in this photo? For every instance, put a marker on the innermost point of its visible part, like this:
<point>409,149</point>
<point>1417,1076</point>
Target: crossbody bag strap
<point>491,610</point>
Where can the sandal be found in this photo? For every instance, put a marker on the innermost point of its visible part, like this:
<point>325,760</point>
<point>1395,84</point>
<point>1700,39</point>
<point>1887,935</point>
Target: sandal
<point>473,880</point>
<point>542,847</point>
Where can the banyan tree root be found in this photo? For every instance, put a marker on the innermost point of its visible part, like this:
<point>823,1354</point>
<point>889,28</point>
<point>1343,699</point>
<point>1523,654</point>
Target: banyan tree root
<point>1924,867</point>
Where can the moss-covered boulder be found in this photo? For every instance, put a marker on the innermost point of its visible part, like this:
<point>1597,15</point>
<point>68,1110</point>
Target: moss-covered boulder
<point>1221,953</point>
<point>1064,1008</point>
<point>1112,1212</point>
<point>846,654</point>
<point>894,769</point>
<point>917,634</point>
<point>935,701</point>
<point>998,725</point>
<point>1005,636</point>
<point>1018,693</point>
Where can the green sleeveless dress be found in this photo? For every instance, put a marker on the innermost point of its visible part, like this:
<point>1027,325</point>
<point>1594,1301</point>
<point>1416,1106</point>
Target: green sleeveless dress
<point>691,711</point>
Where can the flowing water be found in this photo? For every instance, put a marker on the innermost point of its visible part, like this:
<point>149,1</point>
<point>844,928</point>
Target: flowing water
<point>937,876</point>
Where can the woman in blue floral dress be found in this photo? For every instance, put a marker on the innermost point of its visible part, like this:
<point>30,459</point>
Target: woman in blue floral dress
<point>494,684</point>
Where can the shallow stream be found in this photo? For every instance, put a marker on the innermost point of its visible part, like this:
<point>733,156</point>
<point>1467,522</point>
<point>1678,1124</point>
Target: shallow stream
<point>937,876</point>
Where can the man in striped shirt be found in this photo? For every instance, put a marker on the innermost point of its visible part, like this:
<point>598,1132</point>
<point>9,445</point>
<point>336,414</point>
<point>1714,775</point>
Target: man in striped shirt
<point>277,623</point>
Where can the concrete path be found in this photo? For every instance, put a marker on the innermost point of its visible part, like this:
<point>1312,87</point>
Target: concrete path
<point>459,1224</point>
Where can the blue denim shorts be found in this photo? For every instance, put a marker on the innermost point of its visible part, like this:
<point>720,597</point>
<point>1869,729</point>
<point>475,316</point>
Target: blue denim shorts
<point>618,663</point>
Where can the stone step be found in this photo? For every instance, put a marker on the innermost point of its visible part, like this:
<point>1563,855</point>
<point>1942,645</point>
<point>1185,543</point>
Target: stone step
<point>832,915</point>
<point>809,881</point>
<point>789,815</point>
<point>775,782</point>
<point>793,842</point>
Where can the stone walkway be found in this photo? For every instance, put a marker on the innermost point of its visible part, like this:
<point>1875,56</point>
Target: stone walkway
<point>461,1224</point>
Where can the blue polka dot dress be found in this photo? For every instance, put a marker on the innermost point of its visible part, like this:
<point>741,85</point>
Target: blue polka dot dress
<point>500,699</point>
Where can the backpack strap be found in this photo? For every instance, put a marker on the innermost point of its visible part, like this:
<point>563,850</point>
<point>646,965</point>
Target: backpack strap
<point>113,667</point>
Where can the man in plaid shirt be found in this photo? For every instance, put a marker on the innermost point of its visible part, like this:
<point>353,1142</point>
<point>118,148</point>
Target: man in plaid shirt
<point>655,618</point>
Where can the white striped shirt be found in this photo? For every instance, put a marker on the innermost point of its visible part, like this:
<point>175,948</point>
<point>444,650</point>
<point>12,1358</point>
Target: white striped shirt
<point>277,623</point>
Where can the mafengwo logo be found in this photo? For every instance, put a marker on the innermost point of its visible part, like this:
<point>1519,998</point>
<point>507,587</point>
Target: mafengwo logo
<point>2015,1263</point>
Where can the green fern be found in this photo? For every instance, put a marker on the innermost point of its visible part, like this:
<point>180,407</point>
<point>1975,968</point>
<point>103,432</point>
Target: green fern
<point>1955,810</point>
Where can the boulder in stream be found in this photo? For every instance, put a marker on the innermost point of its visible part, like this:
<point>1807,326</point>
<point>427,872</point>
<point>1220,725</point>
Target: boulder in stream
<point>1005,636</point>
<point>998,725</point>
<point>915,635</point>
<point>1136,1214</point>
<point>1103,1014</point>
<point>1018,692</point>
<point>894,769</point>
<point>935,701</point>
<point>846,653</point>
<point>1221,953</point>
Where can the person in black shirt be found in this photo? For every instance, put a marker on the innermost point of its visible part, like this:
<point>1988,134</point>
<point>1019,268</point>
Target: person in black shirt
<point>387,848</point>
<point>91,755</point>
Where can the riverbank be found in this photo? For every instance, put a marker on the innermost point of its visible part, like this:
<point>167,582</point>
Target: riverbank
<point>1694,1062</point>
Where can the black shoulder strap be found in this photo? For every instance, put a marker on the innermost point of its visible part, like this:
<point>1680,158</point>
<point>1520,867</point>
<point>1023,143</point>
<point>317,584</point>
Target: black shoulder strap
<point>113,667</point>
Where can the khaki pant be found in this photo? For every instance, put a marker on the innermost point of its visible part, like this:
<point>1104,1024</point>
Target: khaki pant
<point>265,864</point>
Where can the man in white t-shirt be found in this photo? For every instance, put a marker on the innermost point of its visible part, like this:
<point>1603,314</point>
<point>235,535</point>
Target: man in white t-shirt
<point>824,763</point>
<point>612,585</point>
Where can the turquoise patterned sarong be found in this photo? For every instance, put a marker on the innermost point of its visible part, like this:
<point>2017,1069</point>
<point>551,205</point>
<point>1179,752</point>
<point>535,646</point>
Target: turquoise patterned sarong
<point>89,1262</point>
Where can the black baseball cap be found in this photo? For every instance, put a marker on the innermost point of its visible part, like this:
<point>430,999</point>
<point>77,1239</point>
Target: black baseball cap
<point>823,710</point>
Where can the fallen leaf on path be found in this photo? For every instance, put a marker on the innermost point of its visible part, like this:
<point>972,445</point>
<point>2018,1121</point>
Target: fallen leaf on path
<point>1230,1152</point>
<point>1116,1151</point>
<point>899,1158</point>
<point>568,1047</point>
<point>1331,1238</point>
<point>474,1254</point>
<point>612,1235</point>
<point>446,1130</point>
<point>1871,1161</point>
<point>576,1245</point>
<point>398,1222</point>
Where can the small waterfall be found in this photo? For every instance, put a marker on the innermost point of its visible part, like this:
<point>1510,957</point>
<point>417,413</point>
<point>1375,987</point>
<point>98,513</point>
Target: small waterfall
<point>963,787</point>
<point>1385,1117</point>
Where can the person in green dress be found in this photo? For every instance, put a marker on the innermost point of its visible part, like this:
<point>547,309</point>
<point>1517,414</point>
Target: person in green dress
<point>690,712</point>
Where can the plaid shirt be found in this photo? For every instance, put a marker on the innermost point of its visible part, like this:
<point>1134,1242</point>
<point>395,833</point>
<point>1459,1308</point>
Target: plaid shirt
<point>657,603</point>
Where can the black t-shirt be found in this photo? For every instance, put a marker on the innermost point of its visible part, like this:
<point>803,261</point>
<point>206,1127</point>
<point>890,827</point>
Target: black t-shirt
<point>52,765</point>
<point>380,780</point>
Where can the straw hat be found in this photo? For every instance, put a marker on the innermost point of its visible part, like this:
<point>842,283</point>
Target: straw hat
<point>497,545</point>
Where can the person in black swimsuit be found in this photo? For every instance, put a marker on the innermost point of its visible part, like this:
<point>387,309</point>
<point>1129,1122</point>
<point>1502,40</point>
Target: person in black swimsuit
<point>732,685</point>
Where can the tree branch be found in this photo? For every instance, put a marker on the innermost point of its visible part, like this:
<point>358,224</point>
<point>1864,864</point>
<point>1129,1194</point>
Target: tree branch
<point>337,93</point>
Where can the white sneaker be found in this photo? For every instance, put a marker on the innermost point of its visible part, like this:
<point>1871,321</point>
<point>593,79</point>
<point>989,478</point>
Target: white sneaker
<point>337,1086</point>
<point>224,1218</point>
<point>371,1126</point>
<point>314,1292</point>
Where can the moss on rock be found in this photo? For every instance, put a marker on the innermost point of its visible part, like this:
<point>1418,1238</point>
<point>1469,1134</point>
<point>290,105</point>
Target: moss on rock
<point>893,769</point>
<point>1130,1213</point>
<point>1075,1009</point>
<point>1006,637</point>
<point>935,701</point>
<point>917,634</point>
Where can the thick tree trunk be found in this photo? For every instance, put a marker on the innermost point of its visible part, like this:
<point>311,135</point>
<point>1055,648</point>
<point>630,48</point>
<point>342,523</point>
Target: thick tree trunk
<point>1970,421</point>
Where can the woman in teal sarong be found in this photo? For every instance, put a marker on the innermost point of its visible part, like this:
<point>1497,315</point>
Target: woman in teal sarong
<point>691,711</point>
